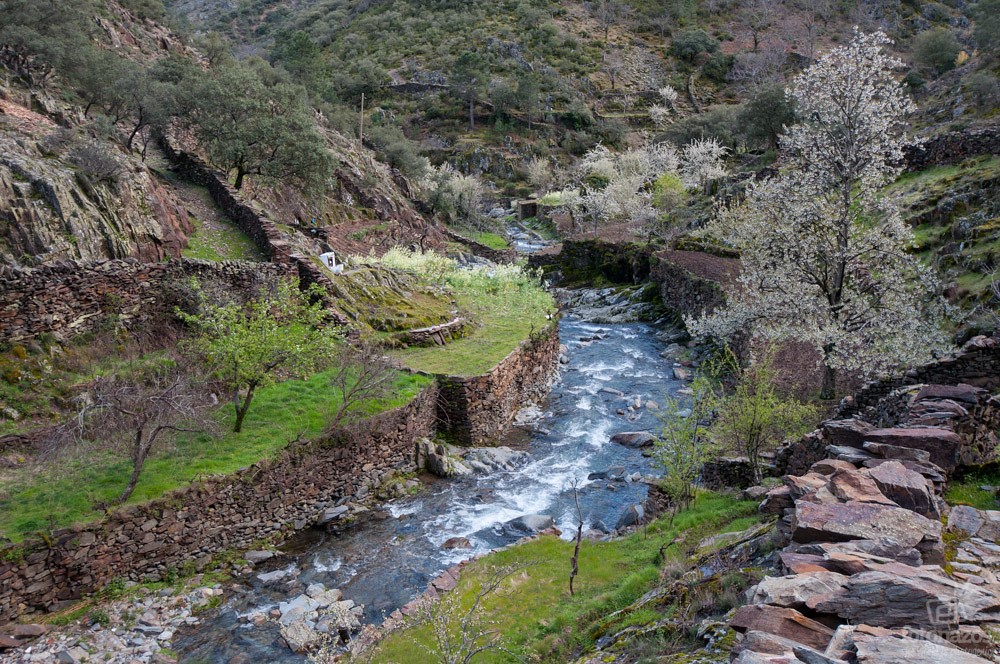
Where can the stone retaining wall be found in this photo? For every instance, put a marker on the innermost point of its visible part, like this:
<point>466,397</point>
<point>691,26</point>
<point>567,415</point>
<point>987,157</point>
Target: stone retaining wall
<point>477,410</point>
<point>977,364</point>
<point>953,147</point>
<point>266,500</point>
<point>73,297</point>
<point>263,231</point>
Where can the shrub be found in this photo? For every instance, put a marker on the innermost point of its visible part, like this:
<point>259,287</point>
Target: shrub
<point>689,44</point>
<point>766,115</point>
<point>936,50</point>
<point>97,163</point>
<point>720,122</point>
<point>395,149</point>
<point>717,67</point>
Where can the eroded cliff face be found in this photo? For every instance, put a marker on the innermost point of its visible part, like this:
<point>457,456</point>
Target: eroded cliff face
<point>64,194</point>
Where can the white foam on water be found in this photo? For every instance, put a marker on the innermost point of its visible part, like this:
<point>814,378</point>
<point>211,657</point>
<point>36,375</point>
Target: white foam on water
<point>398,509</point>
<point>584,403</point>
<point>323,562</point>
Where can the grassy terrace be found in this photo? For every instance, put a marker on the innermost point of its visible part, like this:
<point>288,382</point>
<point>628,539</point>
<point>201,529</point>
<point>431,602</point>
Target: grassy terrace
<point>220,242</point>
<point>506,305</point>
<point>539,619</point>
<point>65,493</point>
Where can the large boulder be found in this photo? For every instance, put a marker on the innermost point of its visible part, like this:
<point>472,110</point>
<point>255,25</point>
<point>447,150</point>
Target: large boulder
<point>849,433</point>
<point>813,522</point>
<point>783,622</point>
<point>906,488</point>
<point>792,591</point>
<point>903,650</point>
<point>944,445</point>
<point>531,523</point>
<point>853,485</point>
<point>921,596</point>
<point>634,439</point>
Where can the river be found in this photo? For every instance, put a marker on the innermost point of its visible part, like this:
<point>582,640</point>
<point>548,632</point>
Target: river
<point>388,559</point>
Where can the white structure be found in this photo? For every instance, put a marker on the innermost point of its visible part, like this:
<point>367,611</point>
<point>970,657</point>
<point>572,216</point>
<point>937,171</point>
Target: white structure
<point>330,261</point>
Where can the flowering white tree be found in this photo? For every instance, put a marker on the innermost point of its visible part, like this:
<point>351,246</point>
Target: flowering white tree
<point>823,256</point>
<point>702,161</point>
<point>615,186</point>
<point>660,114</point>
<point>457,196</point>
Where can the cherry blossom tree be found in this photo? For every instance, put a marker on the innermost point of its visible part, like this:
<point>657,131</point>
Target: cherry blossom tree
<point>823,254</point>
<point>702,161</point>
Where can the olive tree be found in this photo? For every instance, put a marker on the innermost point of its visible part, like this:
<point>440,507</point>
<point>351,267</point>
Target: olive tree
<point>824,256</point>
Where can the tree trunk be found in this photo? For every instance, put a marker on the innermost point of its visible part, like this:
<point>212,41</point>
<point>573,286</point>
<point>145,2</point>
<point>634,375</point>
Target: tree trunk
<point>138,461</point>
<point>240,174</point>
<point>829,390</point>
<point>241,409</point>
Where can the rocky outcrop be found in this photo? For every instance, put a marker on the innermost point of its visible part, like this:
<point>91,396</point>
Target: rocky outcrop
<point>65,197</point>
<point>869,573</point>
<point>953,147</point>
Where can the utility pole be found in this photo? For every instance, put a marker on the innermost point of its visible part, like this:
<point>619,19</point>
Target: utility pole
<point>361,129</point>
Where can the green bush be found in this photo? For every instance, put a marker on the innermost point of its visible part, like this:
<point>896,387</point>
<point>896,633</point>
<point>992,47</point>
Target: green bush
<point>766,115</point>
<point>689,44</point>
<point>717,67</point>
<point>936,50</point>
<point>720,122</point>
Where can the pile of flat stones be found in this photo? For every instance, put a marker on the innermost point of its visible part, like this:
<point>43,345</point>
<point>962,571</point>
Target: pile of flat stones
<point>875,566</point>
<point>138,629</point>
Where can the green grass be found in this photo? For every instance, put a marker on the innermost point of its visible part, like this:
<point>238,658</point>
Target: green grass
<point>491,240</point>
<point>65,493</point>
<point>219,244</point>
<point>967,491</point>
<point>538,618</point>
<point>502,322</point>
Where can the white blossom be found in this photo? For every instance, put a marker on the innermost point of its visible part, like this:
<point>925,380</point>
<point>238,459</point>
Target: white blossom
<point>702,161</point>
<point>823,256</point>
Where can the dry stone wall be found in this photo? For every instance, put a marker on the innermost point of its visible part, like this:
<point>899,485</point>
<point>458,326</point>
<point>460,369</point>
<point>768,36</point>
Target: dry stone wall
<point>268,499</point>
<point>477,410</point>
<point>976,364</point>
<point>73,297</point>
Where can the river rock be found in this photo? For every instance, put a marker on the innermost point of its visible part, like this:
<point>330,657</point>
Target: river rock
<point>490,459</point>
<point>457,543</point>
<point>905,487</point>
<point>300,637</point>
<point>681,373</point>
<point>783,622</point>
<point>531,523</point>
<point>853,520</point>
<point>634,439</point>
<point>612,473</point>
<point>332,514</point>
<point>256,557</point>
<point>632,516</point>
<point>278,575</point>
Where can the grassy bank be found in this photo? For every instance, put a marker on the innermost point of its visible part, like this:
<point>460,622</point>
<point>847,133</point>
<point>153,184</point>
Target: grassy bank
<point>539,620</point>
<point>505,305</point>
<point>60,494</point>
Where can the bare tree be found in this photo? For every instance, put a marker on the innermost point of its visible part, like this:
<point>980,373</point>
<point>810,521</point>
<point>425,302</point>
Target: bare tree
<point>462,634</point>
<point>134,417</point>
<point>575,560</point>
<point>362,375</point>
<point>608,13</point>
<point>758,16</point>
